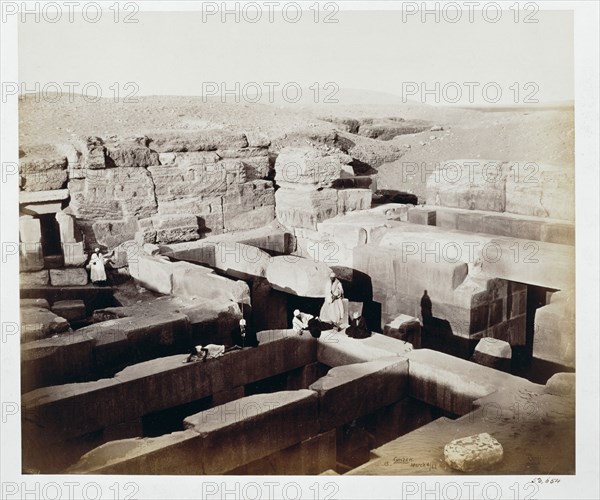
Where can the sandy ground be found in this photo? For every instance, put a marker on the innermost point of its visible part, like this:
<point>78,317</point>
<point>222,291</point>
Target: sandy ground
<point>538,134</point>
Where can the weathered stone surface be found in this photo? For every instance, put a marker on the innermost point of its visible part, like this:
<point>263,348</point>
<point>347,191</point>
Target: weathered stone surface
<point>473,453</point>
<point>191,280</point>
<point>257,139</point>
<point>152,272</point>
<point>113,193</point>
<point>43,303</point>
<point>205,140</point>
<point>494,347</point>
<point>554,334</point>
<point>404,327</point>
<point>58,360</point>
<point>29,229</point>
<point>541,189</point>
<point>39,322</point>
<point>31,257</point>
<point>233,434</point>
<point>42,168</point>
<point>494,353</point>
<point>420,215</point>
<point>452,383</point>
<point>71,310</point>
<point>251,218</point>
<point>130,153</point>
<point>297,208</point>
<point>342,391</point>
<point>298,276</point>
<point>337,349</point>
<point>230,434</point>
<point>386,129</point>
<point>111,233</point>
<point>38,278</point>
<point>310,457</point>
<point>309,166</point>
<point>561,384</point>
<point>172,228</point>
<point>73,254</point>
<point>233,258</point>
<point>76,409</point>
<point>471,184</point>
<point>68,277</point>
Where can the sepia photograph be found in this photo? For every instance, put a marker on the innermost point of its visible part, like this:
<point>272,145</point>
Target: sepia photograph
<point>299,250</point>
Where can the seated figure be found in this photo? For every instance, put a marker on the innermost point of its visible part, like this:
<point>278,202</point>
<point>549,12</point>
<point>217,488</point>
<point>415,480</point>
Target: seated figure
<point>358,328</point>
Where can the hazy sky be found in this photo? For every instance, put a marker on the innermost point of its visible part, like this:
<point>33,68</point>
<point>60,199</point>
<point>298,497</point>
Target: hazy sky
<point>174,53</point>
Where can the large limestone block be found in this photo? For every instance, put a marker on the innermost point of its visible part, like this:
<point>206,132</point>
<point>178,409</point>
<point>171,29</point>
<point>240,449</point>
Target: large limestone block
<point>352,391</point>
<point>73,254</point>
<point>113,193</point>
<point>541,189</point>
<point>111,233</point>
<point>554,334</point>
<point>404,327</point>
<point>470,184</point>
<point>75,409</point>
<point>39,322</point>
<point>30,230</point>
<point>127,340</point>
<point>337,349</point>
<point>130,153</point>
<point>42,168</point>
<point>299,208</point>
<point>199,180</point>
<point>68,277</point>
<point>71,310</point>
<point>32,279</point>
<point>43,303</point>
<point>233,434</point>
<point>561,384</point>
<point>298,276</point>
<point>66,227</point>
<point>154,273</point>
<point>493,352</point>
<point>350,200</point>
<point>310,166</point>
<point>204,140</point>
<point>310,457</point>
<point>232,258</point>
<point>249,219</point>
<point>31,256</point>
<point>57,360</point>
<point>191,280</point>
<point>174,228</point>
<point>473,453</point>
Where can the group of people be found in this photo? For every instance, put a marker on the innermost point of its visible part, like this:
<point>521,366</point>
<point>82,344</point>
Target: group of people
<point>244,337</point>
<point>331,316</point>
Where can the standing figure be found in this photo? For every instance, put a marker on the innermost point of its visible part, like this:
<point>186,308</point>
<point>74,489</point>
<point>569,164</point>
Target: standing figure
<point>97,265</point>
<point>358,328</point>
<point>426,308</point>
<point>246,336</point>
<point>332,310</point>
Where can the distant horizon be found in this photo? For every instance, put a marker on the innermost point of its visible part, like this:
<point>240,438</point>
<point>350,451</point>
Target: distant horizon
<point>176,53</point>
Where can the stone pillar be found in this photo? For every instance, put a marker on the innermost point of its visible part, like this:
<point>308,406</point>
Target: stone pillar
<point>72,249</point>
<point>30,234</point>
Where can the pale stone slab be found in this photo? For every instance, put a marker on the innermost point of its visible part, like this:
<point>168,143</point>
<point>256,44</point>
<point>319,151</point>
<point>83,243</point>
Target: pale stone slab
<point>473,453</point>
<point>68,277</point>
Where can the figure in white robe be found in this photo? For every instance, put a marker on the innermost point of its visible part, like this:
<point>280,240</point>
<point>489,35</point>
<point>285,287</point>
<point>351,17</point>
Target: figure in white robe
<point>300,321</point>
<point>97,265</point>
<point>332,310</point>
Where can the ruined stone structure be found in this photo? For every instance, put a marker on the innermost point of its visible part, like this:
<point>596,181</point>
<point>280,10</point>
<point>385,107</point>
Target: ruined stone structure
<point>211,227</point>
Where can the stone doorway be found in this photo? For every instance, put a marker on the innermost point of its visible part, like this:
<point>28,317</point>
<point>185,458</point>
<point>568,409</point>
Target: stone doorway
<point>51,243</point>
